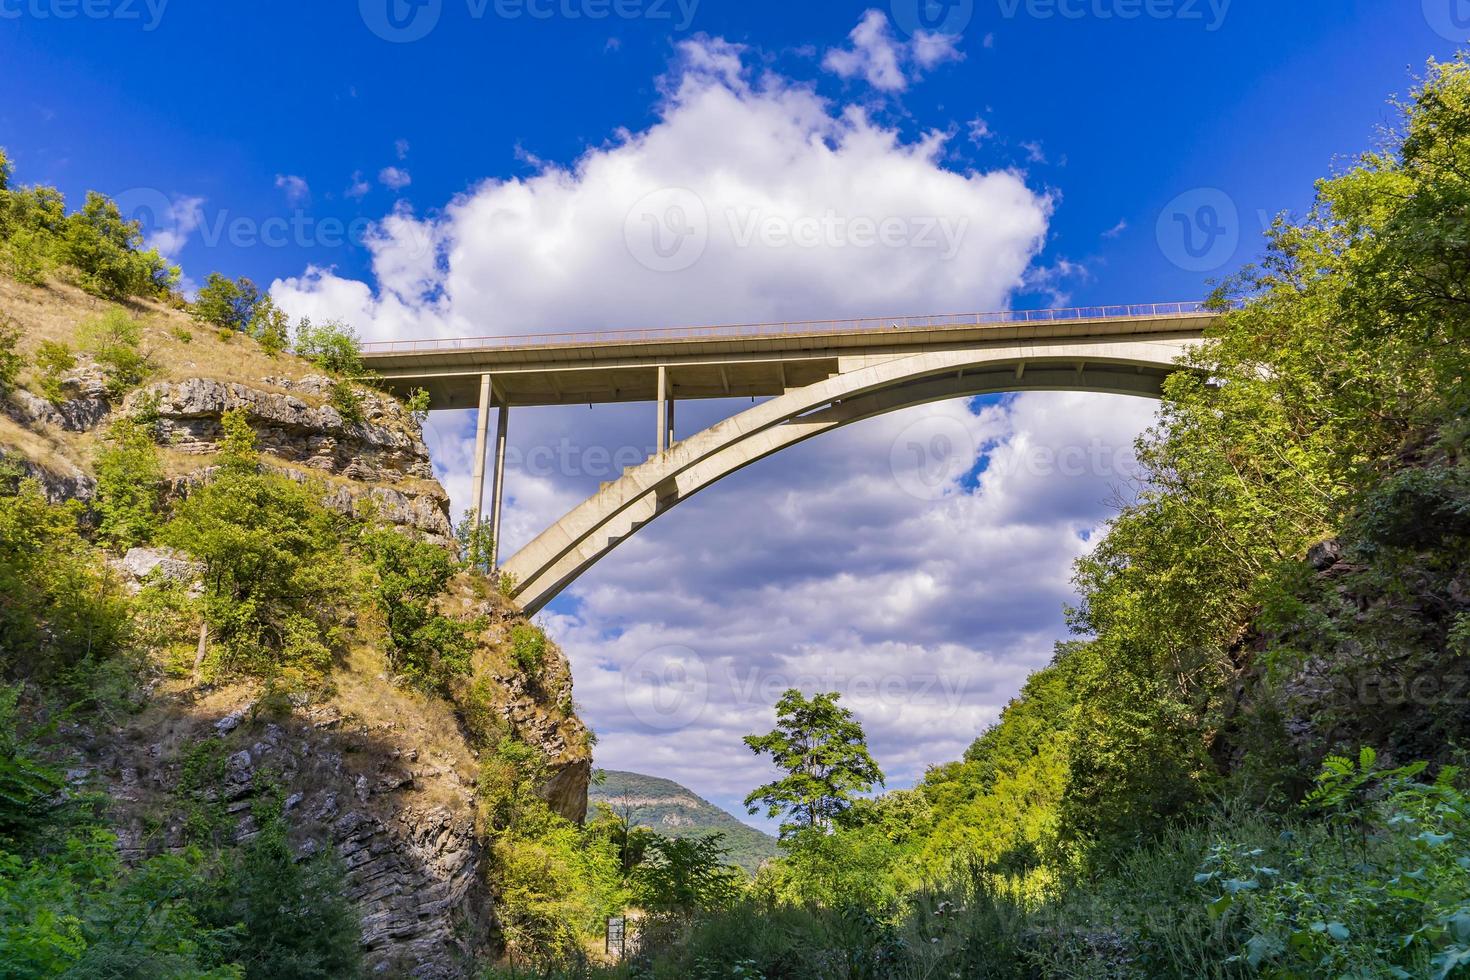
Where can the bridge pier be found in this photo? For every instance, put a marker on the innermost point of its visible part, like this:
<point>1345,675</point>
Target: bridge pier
<point>665,410</point>
<point>482,426</point>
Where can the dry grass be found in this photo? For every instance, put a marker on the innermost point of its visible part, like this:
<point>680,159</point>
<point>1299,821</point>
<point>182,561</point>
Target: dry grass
<point>53,312</point>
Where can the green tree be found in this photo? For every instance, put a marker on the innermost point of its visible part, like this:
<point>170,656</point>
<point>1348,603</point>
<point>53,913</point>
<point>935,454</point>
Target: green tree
<point>431,649</point>
<point>682,876</point>
<point>283,916</point>
<point>107,251</point>
<point>332,346</point>
<point>274,566</point>
<point>129,485</point>
<point>823,750</point>
<point>270,326</point>
<point>229,304</point>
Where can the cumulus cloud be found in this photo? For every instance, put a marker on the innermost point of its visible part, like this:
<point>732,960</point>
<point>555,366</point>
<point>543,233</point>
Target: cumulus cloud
<point>172,228</point>
<point>394,178</point>
<point>885,62</point>
<point>358,188</point>
<point>296,188</point>
<point>847,563</point>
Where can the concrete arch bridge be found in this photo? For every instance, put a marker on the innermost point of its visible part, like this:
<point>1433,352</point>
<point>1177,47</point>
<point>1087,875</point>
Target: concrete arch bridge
<point>816,376</point>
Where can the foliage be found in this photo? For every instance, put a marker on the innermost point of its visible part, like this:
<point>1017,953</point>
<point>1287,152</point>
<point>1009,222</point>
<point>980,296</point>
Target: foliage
<point>270,326</point>
<point>12,362</point>
<point>678,877</point>
<point>61,611</point>
<point>107,253</point>
<point>528,649</point>
<point>417,404</point>
<point>475,543</point>
<point>427,647</point>
<point>824,753</point>
<point>283,916</point>
<point>332,346</point>
<point>229,304</point>
<point>129,485</point>
<point>274,572</point>
<point>113,341</point>
<point>54,360</point>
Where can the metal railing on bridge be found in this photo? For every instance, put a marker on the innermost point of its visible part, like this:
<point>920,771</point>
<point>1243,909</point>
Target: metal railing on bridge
<point>791,328</point>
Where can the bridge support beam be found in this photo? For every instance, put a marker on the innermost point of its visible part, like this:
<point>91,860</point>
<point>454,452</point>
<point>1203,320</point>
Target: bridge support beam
<point>665,410</point>
<point>497,504</point>
<point>482,425</point>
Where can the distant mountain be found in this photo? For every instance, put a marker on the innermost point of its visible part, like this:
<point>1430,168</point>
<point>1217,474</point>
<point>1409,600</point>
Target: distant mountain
<point>665,807</point>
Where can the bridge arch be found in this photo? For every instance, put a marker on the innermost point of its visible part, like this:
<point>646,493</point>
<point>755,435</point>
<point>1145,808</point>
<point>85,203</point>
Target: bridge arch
<point>870,386</point>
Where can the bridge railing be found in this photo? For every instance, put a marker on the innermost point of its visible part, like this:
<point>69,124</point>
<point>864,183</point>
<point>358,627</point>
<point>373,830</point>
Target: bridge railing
<point>738,331</point>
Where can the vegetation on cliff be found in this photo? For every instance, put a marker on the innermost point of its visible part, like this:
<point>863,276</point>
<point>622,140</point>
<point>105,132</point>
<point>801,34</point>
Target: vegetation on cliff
<point>1248,764</point>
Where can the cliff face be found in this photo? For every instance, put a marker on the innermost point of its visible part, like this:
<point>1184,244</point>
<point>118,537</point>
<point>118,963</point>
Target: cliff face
<point>384,774</point>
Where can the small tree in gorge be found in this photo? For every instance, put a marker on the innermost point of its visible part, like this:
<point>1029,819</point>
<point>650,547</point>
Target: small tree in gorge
<point>824,752</point>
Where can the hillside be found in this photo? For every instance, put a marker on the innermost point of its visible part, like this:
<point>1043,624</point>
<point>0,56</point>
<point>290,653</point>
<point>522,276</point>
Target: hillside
<point>230,608</point>
<point>674,811</point>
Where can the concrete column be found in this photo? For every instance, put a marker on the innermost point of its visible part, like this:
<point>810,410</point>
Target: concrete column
<point>502,425</point>
<point>482,423</point>
<point>669,432</point>
<point>663,408</point>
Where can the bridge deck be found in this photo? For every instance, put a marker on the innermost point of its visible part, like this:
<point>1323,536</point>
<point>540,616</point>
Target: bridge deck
<point>735,360</point>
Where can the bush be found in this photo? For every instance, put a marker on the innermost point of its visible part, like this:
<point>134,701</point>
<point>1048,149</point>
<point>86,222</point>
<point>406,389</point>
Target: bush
<point>332,346</point>
<point>27,257</point>
<point>528,649</point>
<point>429,648</point>
<point>54,360</point>
<point>129,486</point>
<point>12,362</point>
<point>113,340</point>
<point>107,253</point>
<point>274,567</point>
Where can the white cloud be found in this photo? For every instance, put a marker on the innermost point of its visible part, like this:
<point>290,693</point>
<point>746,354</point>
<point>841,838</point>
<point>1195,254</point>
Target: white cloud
<point>358,188</point>
<point>816,567</point>
<point>401,148</point>
<point>172,228</point>
<point>296,188</point>
<point>881,59</point>
<point>979,130</point>
<point>1117,229</point>
<point>394,178</point>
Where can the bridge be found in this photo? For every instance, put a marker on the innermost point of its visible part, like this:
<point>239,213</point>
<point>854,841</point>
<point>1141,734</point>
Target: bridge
<point>816,376</point>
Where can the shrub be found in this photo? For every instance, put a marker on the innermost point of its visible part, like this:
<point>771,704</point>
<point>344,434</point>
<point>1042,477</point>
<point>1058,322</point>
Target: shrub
<point>528,649</point>
<point>274,568</point>
<point>11,360</point>
<point>54,360</point>
<point>348,402</point>
<point>332,346</point>
<point>429,648</point>
<point>129,485</point>
<point>113,340</point>
<point>27,257</point>
<point>270,327</point>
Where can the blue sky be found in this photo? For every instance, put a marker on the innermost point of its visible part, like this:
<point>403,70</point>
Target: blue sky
<point>491,174</point>
<point>218,99</point>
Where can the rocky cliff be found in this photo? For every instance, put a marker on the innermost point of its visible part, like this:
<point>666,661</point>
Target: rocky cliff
<point>382,773</point>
